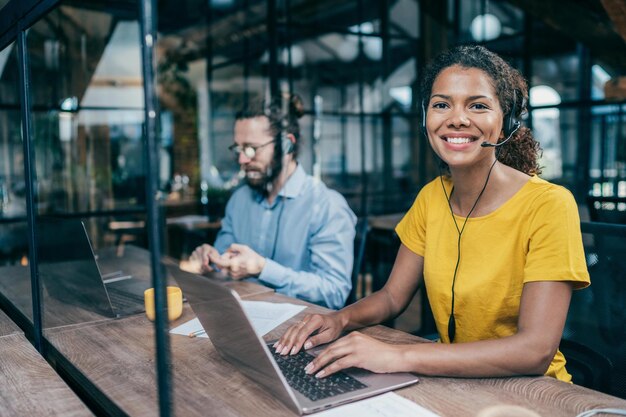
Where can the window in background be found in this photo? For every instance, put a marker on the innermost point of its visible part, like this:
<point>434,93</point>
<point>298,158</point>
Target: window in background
<point>546,129</point>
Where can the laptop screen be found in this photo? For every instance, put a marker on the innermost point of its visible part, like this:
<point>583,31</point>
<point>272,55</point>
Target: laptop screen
<point>67,266</point>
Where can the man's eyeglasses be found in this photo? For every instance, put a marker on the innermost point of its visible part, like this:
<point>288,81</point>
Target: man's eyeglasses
<point>248,150</point>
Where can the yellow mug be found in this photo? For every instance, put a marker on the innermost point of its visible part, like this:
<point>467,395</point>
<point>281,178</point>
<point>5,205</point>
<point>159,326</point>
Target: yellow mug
<point>174,303</point>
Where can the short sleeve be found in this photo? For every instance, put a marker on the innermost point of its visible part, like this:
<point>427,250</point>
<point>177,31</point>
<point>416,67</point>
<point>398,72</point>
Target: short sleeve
<point>412,228</point>
<point>555,249</point>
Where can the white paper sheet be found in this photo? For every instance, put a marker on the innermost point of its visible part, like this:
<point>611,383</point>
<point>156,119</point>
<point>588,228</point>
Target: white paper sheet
<point>386,405</point>
<point>264,316</point>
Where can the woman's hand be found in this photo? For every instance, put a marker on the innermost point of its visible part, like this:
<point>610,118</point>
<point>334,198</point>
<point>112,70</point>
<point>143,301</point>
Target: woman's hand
<point>326,327</point>
<point>360,351</point>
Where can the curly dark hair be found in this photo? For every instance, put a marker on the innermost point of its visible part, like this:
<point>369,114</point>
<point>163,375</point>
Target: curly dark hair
<point>522,151</point>
<point>282,112</point>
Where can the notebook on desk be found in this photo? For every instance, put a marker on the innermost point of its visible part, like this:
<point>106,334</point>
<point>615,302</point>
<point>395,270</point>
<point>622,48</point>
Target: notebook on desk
<point>221,313</point>
<point>70,273</point>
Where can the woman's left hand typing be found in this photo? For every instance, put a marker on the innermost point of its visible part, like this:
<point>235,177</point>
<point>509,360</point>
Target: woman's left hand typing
<point>360,351</point>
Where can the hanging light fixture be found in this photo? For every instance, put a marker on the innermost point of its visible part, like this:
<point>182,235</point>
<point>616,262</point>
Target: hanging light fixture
<point>485,27</point>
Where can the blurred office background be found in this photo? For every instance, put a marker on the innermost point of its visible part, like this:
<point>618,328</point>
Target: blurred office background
<point>357,65</point>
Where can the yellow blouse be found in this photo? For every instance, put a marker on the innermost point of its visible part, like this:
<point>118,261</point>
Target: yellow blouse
<point>534,236</point>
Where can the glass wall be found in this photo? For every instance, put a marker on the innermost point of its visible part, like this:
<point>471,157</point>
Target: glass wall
<point>15,276</point>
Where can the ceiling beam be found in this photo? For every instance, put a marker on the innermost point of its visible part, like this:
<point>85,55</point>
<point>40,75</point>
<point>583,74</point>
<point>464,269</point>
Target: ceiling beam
<point>584,22</point>
<point>616,10</point>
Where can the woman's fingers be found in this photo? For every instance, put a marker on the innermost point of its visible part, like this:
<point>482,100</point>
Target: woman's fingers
<point>307,328</point>
<point>297,334</point>
<point>338,356</point>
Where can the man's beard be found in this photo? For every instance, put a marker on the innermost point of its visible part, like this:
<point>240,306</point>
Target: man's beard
<point>263,181</point>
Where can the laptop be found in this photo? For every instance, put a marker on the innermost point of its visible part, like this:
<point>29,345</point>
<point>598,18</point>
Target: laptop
<point>220,312</point>
<point>70,273</point>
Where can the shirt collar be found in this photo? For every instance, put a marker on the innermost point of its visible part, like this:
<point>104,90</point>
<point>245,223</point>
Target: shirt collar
<point>292,188</point>
<point>295,183</point>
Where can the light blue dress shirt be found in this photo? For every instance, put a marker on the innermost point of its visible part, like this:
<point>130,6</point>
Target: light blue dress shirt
<point>306,237</point>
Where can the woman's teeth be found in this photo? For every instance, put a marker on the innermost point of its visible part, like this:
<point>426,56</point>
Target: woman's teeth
<point>458,141</point>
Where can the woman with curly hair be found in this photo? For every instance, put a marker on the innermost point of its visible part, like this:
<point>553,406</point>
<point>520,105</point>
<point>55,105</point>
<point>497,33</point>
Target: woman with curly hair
<point>499,249</point>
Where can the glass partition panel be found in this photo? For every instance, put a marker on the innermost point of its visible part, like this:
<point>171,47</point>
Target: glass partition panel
<point>87,121</point>
<point>87,124</point>
<point>15,274</point>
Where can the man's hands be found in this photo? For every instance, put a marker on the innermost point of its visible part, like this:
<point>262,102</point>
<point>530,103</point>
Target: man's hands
<point>239,261</point>
<point>242,262</point>
<point>202,257</point>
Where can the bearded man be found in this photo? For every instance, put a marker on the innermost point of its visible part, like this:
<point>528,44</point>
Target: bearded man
<point>283,228</point>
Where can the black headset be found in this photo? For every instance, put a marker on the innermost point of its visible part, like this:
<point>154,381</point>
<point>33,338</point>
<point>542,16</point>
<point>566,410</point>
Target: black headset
<point>510,123</point>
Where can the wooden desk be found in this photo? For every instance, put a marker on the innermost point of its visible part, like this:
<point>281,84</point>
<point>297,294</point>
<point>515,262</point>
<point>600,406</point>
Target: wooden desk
<point>30,387</point>
<point>118,357</point>
<point>7,327</point>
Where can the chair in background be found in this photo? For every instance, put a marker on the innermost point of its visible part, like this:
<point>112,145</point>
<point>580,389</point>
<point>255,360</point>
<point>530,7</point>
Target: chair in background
<point>597,317</point>
<point>588,367</point>
<point>358,273</point>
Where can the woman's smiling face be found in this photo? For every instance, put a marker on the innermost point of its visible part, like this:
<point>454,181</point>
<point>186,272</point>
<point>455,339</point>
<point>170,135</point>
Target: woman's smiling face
<point>463,111</point>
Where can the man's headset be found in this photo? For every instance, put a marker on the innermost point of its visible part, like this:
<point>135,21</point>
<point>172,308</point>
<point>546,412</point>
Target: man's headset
<point>510,123</point>
<point>286,144</point>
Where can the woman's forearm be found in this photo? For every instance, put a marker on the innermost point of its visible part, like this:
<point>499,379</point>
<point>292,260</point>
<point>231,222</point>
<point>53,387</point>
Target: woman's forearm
<point>368,311</point>
<point>513,355</point>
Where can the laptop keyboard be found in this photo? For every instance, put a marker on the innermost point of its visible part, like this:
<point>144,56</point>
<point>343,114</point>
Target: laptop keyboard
<point>292,367</point>
<point>123,301</point>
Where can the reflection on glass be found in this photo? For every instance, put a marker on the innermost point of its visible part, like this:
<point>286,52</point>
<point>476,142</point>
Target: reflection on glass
<point>14,271</point>
<point>88,111</point>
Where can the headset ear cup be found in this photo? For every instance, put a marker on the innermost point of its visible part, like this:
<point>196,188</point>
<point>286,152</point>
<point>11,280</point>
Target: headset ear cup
<point>511,124</point>
<point>508,125</point>
<point>286,144</point>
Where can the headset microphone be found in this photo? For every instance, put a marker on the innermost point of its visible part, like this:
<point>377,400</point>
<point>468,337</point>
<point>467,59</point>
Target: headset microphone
<point>511,124</point>
<point>495,145</point>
